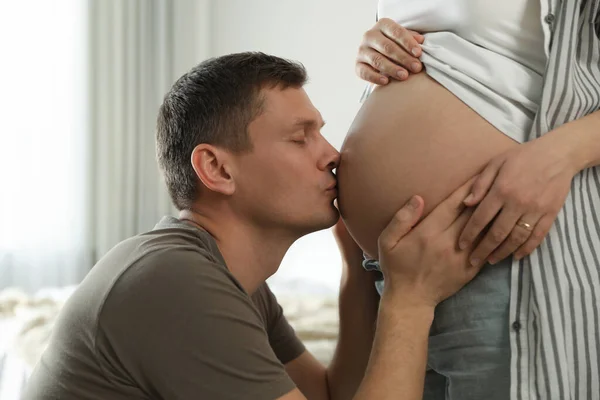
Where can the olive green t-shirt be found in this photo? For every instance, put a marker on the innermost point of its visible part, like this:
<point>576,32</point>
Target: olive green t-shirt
<point>161,317</point>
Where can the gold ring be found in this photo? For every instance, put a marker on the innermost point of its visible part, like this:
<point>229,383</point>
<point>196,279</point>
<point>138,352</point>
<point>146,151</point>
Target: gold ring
<point>525,225</point>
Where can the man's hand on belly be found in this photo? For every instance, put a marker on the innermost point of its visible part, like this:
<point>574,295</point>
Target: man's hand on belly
<point>422,265</point>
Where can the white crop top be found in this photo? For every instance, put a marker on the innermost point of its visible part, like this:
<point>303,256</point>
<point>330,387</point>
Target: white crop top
<point>489,53</point>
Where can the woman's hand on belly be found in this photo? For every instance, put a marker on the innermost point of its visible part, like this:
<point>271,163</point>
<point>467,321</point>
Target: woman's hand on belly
<point>523,189</point>
<point>388,50</point>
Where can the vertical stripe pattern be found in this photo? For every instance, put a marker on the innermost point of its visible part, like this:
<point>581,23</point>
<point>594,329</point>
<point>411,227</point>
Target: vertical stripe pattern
<point>556,290</point>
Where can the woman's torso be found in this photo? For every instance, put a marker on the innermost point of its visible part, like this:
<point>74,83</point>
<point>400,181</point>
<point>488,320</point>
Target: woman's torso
<point>411,137</point>
<point>417,136</point>
<point>511,28</point>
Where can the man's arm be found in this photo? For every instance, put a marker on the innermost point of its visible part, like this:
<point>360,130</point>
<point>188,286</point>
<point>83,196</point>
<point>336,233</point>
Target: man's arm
<point>357,330</point>
<point>397,364</point>
<point>358,302</point>
<point>422,267</point>
<point>398,361</point>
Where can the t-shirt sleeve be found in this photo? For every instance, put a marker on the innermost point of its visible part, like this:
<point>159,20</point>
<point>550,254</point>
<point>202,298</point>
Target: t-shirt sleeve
<point>282,337</point>
<point>182,329</point>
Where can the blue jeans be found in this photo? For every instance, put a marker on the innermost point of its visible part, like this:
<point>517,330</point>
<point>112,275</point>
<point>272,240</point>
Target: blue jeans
<point>469,347</point>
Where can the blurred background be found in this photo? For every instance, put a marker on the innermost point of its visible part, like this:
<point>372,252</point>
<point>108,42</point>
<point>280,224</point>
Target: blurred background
<point>81,83</point>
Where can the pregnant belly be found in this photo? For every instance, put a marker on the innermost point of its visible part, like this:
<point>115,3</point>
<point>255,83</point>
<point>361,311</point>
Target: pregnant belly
<point>411,137</point>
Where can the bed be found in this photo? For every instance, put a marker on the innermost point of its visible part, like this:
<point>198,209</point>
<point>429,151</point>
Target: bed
<point>26,323</point>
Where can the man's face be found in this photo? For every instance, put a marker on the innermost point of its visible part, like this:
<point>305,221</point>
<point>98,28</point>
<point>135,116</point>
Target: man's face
<point>286,181</point>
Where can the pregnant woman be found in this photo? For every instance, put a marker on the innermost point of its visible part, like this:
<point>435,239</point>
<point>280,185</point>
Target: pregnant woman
<point>510,93</point>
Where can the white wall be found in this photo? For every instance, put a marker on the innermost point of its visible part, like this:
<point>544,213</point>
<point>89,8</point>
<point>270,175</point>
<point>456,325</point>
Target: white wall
<point>191,34</point>
<point>324,35</point>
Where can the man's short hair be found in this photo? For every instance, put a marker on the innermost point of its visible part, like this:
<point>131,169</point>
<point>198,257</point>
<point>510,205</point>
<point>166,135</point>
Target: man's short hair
<point>214,103</point>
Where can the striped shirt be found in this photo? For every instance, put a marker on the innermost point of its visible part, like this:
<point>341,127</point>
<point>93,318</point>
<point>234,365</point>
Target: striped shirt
<point>555,292</point>
<point>555,300</point>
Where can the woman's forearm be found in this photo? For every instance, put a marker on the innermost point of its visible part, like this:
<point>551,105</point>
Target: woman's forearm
<point>582,139</point>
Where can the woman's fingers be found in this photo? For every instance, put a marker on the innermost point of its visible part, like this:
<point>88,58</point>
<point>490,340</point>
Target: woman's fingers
<point>418,37</point>
<point>503,227</point>
<point>381,64</point>
<point>397,54</point>
<point>389,50</point>
<point>519,235</point>
<point>540,231</point>
<point>370,74</point>
<point>400,35</point>
<point>483,183</point>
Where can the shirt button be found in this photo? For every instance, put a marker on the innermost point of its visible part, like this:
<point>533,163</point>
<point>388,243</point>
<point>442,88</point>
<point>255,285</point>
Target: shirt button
<point>549,18</point>
<point>516,326</point>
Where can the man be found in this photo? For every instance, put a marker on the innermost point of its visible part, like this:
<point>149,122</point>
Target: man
<point>183,311</point>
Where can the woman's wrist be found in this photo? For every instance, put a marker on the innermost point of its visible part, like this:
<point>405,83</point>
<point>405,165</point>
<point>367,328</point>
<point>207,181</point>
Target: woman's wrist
<point>580,139</point>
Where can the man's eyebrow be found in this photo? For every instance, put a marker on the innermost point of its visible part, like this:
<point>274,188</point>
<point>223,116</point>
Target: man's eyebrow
<point>309,122</point>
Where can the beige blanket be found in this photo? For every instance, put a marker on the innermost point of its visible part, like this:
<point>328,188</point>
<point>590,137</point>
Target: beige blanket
<point>27,321</point>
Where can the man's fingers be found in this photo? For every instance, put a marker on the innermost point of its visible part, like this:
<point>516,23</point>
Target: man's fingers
<point>483,215</point>
<point>482,184</point>
<point>401,224</point>
<point>459,224</point>
<point>448,210</point>
<point>467,270</point>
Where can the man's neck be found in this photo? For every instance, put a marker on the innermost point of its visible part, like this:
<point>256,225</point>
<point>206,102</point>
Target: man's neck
<point>252,255</point>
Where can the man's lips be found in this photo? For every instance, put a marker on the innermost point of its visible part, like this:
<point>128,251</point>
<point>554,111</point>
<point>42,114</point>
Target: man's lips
<point>332,190</point>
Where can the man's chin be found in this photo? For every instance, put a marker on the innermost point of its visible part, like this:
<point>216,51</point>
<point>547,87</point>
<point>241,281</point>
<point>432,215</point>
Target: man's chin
<point>324,222</point>
<point>331,219</point>
<point>335,217</point>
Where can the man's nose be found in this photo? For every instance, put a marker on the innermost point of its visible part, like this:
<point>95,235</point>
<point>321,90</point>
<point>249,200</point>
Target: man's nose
<point>331,159</point>
<point>335,162</point>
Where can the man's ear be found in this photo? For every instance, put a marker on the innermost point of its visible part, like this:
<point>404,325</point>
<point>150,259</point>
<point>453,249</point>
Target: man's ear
<point>212,168</point>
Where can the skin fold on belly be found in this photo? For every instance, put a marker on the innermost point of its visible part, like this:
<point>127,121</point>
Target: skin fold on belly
<point>411,137</point>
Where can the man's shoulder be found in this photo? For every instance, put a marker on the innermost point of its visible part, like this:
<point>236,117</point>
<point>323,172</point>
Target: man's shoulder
<point>160,262</point>
<point>171,245</point>
<point>171,273</point>
<point>170,260</point>
<point>172,257</point>
<point>168,248</point>
<point>177,238</point>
